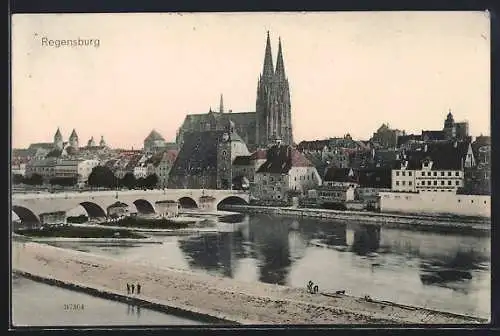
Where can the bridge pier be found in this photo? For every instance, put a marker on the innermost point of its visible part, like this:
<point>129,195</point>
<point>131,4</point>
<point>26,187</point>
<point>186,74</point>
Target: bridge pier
<point>52,218</point>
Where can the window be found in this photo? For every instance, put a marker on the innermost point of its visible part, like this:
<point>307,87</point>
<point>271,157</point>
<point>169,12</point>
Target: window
<point>458,201</point>
<point>449,182</point>
<point>404,182</point>
<point>442,182</point>
<point>429,182</point>
<point>435,182</point>
<point>397,183</point>
<point>409,183</point>
<point>428,173</point>
<point>457,173</point>
<point>404,174</point>
<point>435,174</point>
<point>472,201</point>
<point>295,178</point>
<point>449,173</point>
<point>409,173</point>
<point>442,173</point>
<point>457,182</point>
<point>423,174</point>
<point>397,173</point>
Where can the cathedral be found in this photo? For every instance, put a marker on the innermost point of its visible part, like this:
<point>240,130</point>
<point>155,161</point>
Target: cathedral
<point>273,112</point>
<point>272,119</point>
<point>209,142</point>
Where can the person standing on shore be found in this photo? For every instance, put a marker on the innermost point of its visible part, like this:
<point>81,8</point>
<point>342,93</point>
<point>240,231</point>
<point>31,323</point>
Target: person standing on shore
<point>138,288</point>
<point>128,288</point>
<point>132,288</point>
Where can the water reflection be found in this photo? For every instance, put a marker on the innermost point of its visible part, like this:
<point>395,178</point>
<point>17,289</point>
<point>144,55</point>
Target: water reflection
<point>366,239</point>
<point>442,271</point>
<point>273,249</point>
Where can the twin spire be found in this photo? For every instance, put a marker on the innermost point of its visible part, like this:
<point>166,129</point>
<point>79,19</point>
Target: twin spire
<point>268,71</point>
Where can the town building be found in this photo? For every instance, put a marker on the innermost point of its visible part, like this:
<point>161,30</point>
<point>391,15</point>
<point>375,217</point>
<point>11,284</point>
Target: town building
<point>154,143</point>
<point>285,172</point>
<point>385,137</point>
<point>167,208</point>
<point>205,159</point>
<point>434,167</point>
<point>477,179</point>
<point>44,167</point>
<point>338,188</point>
<point>333,152</point>
<point>18,168</point>
<point>452,131</point>
<point>161,164</point>
<point>244,168</point>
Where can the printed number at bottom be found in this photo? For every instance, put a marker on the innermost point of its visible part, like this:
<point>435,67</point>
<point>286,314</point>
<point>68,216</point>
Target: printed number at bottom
<point>73,306</point>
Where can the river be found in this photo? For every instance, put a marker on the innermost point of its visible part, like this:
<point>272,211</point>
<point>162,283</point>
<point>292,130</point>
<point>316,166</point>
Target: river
<point>448,272</point>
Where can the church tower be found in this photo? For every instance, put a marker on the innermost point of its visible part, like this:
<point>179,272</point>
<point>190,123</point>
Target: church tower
<point>273,109</point>
<point>221,104</point>
<point>73,139</point>
<point>58,140</point>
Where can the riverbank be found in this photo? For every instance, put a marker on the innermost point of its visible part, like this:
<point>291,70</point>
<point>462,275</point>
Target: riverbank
<point>79,232</point>
<point>400,221</point>
<point>217,297</point>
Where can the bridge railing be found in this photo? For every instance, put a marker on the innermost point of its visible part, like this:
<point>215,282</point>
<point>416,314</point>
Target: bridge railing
<point>190,192</point>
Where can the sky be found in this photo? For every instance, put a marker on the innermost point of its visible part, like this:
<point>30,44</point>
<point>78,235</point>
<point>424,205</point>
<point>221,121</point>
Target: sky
<point>349,72</point>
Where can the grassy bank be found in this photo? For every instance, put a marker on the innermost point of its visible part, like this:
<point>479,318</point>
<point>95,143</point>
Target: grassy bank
<point>78,232</point>
<point>154,223</point>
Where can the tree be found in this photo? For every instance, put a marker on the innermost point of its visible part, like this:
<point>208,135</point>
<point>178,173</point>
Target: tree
<point>102,177</point>
<point>17,179</point>
<point>35,179</point>
<point>151,181</point>
<point>129,181</point>
<point>140,183</point>
<point>63,181</point>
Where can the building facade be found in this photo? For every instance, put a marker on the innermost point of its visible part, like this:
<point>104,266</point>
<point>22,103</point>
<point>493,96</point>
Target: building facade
<point>285,172</point>
<point>436,167</point>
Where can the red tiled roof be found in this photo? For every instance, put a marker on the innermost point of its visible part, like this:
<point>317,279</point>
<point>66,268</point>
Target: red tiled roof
<point>259,154</point>
<point>299,160</point>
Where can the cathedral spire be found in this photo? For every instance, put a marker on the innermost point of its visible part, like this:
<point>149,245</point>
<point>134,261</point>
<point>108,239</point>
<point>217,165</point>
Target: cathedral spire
<point>280,66</point>
<point>221,104</point>
<point>58,134</point>
<point>268,70</point>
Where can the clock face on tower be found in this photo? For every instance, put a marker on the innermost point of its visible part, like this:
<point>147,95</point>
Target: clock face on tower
<point>225,137</point>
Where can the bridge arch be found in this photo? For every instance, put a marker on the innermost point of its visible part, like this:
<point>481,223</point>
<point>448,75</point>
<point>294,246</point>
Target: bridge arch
<point>231,200</point>
<point>187,202</point>
<point>93,210</point>
<point>25,214</point>
<point>144,206</point>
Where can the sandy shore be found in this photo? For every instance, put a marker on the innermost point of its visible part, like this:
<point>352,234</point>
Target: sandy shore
<point>223,298</point>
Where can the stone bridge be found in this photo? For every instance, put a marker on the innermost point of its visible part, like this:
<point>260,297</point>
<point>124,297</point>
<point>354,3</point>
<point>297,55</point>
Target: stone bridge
<point>29,207</point>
